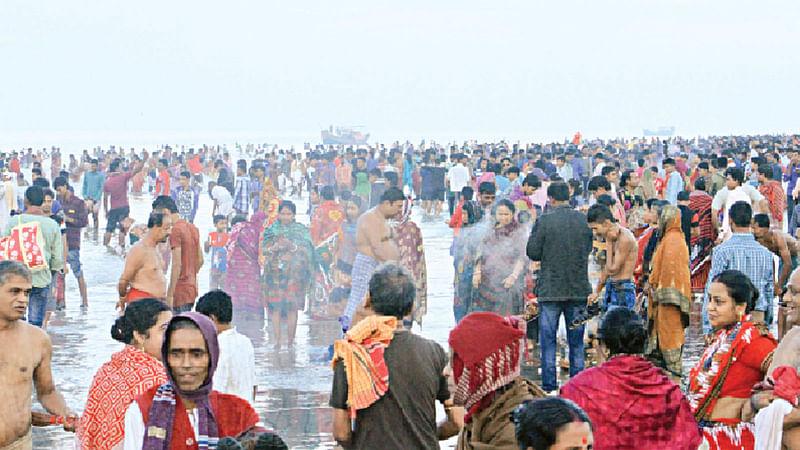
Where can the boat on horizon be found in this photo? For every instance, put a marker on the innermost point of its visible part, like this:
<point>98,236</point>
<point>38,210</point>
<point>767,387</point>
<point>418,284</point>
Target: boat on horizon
<point>344,136</point>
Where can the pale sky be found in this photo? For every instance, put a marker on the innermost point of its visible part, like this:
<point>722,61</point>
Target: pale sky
<point>530,70</point>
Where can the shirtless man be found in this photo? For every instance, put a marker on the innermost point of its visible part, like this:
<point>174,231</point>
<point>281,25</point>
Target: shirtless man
<point>785,247</point>
<point>375,246</point>
<point>621,254</point>
<point>144,271</point>
<point>25,353</point>
<point>787,354</point>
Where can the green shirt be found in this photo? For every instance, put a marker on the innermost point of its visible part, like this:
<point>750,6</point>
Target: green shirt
<point>53,247</point>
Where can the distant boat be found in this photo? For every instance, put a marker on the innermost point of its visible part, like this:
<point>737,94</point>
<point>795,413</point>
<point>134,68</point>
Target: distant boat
<point>343,136</point>
<point>660,131</point>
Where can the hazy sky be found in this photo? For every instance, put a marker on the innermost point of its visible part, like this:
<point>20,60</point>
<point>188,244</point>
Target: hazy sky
<point>460,69</point>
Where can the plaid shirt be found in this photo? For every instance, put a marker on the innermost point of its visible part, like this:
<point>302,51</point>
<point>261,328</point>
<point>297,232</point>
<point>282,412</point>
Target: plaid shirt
<point>241,194</point>
<point>742,252</point>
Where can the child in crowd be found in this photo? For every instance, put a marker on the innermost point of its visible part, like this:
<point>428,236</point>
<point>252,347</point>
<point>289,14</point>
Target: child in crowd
<point>216,243</point>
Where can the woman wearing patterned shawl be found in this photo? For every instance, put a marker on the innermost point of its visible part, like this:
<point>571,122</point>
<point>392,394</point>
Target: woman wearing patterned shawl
<point>703,243</point>
<point>288,270</point>
<point>500,264</point>
<point>631,403</point>
<point>487,352</point>
<point>130,372</point>
<point>670,293</point>
<point>269,201</point>
<point>242,280</point>
<point>737,359</point>
<point>408,239</point>
<point>185,413</point>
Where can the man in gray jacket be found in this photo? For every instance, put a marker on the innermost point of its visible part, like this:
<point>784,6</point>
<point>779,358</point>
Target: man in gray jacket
<point>562,241</point>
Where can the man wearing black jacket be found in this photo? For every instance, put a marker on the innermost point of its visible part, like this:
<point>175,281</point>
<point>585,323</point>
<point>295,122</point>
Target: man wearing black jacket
<point>562,241</point>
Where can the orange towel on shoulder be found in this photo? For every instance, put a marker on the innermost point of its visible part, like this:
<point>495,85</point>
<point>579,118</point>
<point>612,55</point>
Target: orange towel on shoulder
<point>361,352</point>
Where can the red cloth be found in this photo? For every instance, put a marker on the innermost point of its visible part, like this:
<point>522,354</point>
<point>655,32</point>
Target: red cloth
<point>130,373</point>
<point>138,294</point>
<point>233,416</point>
<point>326,221</point>
<point>633,405</point>
<point>162,184</point>
<point>187,237</point>
<point>787,384</point>
<point>776,198</point>
<point>480,334</point>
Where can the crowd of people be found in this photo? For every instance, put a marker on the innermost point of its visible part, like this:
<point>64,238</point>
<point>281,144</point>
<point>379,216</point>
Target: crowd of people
<point>620,239</point>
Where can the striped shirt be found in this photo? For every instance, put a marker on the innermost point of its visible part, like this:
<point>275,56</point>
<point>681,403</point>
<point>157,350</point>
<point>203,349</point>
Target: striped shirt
<point>741,252</point>
<point>241,194</point>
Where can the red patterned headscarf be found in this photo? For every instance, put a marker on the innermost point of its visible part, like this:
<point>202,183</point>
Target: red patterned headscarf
<point>487,352</point>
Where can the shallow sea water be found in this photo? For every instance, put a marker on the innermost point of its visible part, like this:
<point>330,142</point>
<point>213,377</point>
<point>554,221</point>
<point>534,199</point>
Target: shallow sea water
<point>294,384</point>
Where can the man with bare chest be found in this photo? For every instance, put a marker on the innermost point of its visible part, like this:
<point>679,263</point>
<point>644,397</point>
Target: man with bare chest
<point>621,253</point>
<point>144,271</point>
<point>375,246</point>
<point>25,353</point>
<point>781,244</point>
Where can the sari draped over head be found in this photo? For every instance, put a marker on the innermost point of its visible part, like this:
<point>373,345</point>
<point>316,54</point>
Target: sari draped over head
<point>288,263</point>
<point>736,360</point>
<point>629,393</point>
<point>242,279</point>
<point>269,203</point>
<point>116,384</point>
<point>408,239</point>
<point>776,197</point>
<point>670,283</point>
<point>647,184</point>
<point>703,243</point>
<point>325,223</point>
<point>498,253</point>
<point>162,412</point>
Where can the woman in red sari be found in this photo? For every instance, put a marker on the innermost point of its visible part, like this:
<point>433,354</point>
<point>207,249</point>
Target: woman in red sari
<point>132,371</point>
<point>736,359</point>
<point>631,403</point>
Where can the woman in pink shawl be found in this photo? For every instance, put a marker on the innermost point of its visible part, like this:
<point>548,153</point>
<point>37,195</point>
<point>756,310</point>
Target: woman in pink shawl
<point>243,281</point>
<point>631,403</point>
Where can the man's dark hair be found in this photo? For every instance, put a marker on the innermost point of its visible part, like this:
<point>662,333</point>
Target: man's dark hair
<point>218,163</point>
<point>669,161</point>
<point>34,195</point>
<point>766,170</point>
<point>165,202</point>
<point>597,182</point>
<point>216,303</point>
<point>114,165</point>
<point>487,187</point>
<point>376,172</point>
<point>242,164</point>
<point>532,180</point>
<point>186,174</point>
<point>537,422</point>
<point>736,173</point>
<point>640,162</point>
<point>391,291</point>
<point>327,193</point>
<point>163,161</point>
<point>703,165</point>
<point>683,196</point>
<point>513,169</point>
<point>598,214</point>
<point>558,192</point>
<point>36,171</point>
<point>741,214</point>
<point>59,181</point>
<point>721,162</point>
<point>156,219</point>
<point>219,217</point>
<point>607,170</point>
<point>287,204</point>
<point>467,193</point>
<point>761,220</point>
<point>700,184</point>
<point>41,182</point>
<point>577,186</point>
<point>392,195</point>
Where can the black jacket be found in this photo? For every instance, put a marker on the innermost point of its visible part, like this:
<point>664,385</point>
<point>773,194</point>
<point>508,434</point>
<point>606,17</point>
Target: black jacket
<point>562,241</point>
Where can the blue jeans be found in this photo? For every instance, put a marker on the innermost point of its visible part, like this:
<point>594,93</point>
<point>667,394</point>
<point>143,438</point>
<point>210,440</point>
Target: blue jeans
<point>37,305</point>
<point>548,327</point>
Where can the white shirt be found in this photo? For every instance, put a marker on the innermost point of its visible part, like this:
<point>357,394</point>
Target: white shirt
<point>224,200</point>
<point>458,176</point>
<point>236,368</point>
<point>134,427</point>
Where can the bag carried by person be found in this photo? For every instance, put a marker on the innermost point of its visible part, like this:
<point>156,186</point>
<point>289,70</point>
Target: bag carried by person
<point>25,243</point>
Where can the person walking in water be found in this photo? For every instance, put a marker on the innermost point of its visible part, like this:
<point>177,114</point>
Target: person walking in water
<point>143,276</point>
<point>375,245</point>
